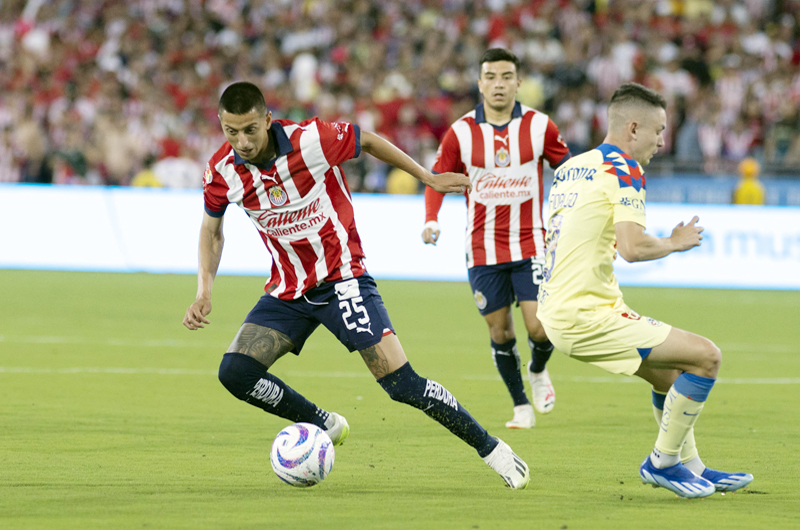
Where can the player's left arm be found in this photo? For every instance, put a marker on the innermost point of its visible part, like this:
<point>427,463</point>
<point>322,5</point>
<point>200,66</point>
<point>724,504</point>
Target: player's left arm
<point>556,151</point>
<point>634,244</point>
<point>387,152</point>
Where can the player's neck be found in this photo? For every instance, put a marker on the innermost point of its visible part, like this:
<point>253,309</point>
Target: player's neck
<point>498,116</point>
<point>617,142</point>
<point>268,153</point>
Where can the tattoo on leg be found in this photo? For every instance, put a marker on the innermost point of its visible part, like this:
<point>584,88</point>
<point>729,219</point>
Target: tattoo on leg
<point>376,361</point>
<point>265,345</point>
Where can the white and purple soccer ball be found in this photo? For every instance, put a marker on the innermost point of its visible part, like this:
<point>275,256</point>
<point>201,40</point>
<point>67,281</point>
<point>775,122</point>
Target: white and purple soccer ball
<point>302,455</point>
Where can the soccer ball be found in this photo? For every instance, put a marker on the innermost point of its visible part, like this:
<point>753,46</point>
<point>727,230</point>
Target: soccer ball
<point>302,455</point>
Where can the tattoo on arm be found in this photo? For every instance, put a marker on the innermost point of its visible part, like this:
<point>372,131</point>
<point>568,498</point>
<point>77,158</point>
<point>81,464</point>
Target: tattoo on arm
<point>376,361</point>
<point>263,344</point>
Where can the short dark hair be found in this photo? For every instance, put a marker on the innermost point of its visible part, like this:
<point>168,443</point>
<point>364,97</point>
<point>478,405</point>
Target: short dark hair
<point>241,98</point>
<point>631,92</point>
<point>498,54</point>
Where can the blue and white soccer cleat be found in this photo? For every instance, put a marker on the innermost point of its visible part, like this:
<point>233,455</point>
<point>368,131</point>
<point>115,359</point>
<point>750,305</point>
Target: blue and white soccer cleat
<point>727,482</point>
<point>678,479</point>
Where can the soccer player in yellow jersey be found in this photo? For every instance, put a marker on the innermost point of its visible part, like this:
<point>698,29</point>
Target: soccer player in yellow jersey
<point>597,209</point>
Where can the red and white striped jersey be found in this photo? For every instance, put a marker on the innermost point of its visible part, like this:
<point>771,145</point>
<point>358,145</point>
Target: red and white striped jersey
<point>504,164</point>
<point>299,202</point>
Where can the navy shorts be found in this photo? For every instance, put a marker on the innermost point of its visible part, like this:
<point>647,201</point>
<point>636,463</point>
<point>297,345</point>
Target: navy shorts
<point>497,286</point>
<point>351,309</point>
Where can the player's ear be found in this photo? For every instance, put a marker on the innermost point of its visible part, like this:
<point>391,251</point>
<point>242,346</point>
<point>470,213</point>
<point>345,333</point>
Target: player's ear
<point>269,118</point>
<point>633,128</point>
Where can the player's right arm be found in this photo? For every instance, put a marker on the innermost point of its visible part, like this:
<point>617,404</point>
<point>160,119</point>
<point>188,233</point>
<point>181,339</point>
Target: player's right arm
<point>209,254</point>
<point>634,244</point>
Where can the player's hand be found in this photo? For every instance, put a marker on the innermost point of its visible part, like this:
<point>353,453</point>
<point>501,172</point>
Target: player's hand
<point>687,236</point>
<point>449,182</point>
<point>431,233</point>
<point>196,314</point>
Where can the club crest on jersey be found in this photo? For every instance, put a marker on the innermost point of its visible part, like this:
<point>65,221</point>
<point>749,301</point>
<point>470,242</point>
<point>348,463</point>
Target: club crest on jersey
<point>480,300</point>
<point>277,196</point>
<point>207,176</point>
<point>501,158</point>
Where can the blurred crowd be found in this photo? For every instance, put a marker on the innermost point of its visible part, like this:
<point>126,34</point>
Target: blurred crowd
<point>121,93</point>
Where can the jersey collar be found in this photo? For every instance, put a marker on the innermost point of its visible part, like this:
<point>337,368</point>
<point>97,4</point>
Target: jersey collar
<point>283,146</point>
<point>480,114</point>
<point>607,149</point>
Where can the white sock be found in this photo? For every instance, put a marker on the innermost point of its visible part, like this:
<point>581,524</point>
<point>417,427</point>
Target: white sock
<point>695,465</point>
<point>662,460</point>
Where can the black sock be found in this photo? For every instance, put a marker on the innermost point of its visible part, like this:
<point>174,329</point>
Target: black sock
<point>506,359</point>
<point>540,354</point>
<point>249,380</point>
<point>405,386</point>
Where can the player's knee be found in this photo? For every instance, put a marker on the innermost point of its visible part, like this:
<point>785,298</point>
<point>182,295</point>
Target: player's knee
<point>537,334</point>
<point>711,358</point>
<point>236,373</point>
<point>501,335</point>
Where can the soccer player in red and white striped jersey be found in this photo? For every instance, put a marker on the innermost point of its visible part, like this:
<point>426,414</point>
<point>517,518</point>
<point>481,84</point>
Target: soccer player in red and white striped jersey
<point>287,177</point>
<point>501,146</point>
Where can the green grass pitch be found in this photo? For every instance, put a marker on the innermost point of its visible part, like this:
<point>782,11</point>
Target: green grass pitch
<point>111,416</point>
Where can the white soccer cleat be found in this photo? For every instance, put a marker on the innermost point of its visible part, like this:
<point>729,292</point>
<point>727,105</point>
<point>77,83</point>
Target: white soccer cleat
<point>523,417</point>
<point>544,396</point>
<point>509,466</point>
<point>340,429</point>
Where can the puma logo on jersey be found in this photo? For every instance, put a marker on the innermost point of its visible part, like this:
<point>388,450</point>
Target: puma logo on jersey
<point>503,140</point>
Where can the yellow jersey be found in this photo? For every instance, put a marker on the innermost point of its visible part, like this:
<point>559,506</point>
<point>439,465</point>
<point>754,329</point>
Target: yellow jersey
<point>590,193</point>
<point>749,191</point>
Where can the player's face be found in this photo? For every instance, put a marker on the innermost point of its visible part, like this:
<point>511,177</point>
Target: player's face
<point>247,133</point>
<point>498,83</point>
<point>650,135</point>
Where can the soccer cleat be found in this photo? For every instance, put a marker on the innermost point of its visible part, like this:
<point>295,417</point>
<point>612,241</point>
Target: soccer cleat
<point>509,466</point>
<point>544,397</point>
<point>523,417</point>
<point>726,482</point>
<point>340,430</point>
<point>678,479</point>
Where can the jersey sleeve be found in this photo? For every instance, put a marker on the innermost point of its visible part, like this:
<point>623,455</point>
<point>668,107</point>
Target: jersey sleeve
<point>433,203</point>
<point>340,141</point>
<point>556,151</point>
<point>628,204</point>
<point>448,160</point>
<point>215,192</point>
<point>448,156</point>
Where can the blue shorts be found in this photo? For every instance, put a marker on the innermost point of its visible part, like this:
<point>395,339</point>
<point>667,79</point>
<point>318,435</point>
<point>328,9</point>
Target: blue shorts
<point>351,309</point>
<point>497,286</point>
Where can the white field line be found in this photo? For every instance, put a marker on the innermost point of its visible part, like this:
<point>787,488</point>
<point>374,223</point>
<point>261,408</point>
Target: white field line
<point>177,343</point>
<point>135,343</point>
<point>360,375</point>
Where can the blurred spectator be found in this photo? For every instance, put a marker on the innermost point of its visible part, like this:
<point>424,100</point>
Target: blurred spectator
<point>401,183</point>
<point>737,141</point>
<point>9,169</point>
<point>749,190</point>
<point>91,90</point>
<point>147,178</point>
